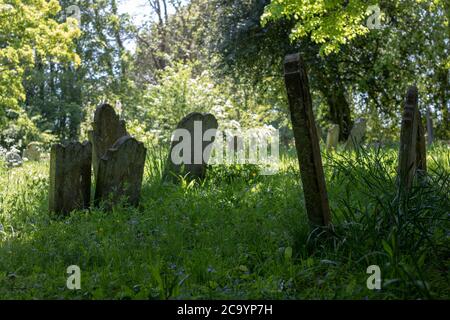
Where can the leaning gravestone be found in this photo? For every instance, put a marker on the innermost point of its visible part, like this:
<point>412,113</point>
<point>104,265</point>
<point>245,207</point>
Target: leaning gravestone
<point>356,135</point>
<point>412,155</point>
<point>70,177</point>
<point>107,129</point>
<point>333,137</point>
<point>32,152</point>
<point>191,147</point>
<point>120,173</point>
<point>307,142</point>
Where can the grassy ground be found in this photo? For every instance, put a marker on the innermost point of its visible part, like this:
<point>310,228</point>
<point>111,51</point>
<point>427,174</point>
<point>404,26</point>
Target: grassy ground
<point>237,235</point>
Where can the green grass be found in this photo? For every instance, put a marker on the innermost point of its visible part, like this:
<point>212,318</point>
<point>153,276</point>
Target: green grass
<point>236,235</point>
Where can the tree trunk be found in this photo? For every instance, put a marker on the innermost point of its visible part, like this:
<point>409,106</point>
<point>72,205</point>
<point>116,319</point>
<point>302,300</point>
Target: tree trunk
<point>339,111</point>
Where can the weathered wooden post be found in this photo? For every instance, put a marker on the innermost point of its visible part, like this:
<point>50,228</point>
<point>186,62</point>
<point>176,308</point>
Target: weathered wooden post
<point>408,140</point>
<point>120,173</point>
<point>70,177</point>
<point>306,140</point>
<point>413,149</point>
<point>107,129</point>
<point>421,159</point>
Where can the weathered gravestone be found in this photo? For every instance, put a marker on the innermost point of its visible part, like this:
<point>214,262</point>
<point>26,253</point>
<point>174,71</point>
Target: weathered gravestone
<point>107,129</point>
<point>120,173</point>
<point>13,158</point>
<point>412,155</point>
<point>356,135</point>
<point>192,144</point>
<point>333,137</point>
<point>32,152</point>
<point>306,140</point>
<point>70,177</point>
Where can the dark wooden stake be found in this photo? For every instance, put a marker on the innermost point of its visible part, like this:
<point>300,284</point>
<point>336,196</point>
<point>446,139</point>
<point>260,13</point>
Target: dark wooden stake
<point>413,149</point>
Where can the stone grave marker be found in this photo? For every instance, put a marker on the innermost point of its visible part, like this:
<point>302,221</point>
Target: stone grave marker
<point>333,137</point>
<point>192,144</point>
<point>356,135</point>
<point>13,158</point>
<point>120,173</point>
<point>306,140</point>
<point>32,152</point>
<point>70,177</point>
<point>107,129</point>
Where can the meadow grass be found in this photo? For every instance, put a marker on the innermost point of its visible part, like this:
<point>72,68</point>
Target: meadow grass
<point>237,235</point>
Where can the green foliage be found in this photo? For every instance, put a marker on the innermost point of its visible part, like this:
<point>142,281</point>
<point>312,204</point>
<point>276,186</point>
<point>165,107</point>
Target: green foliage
<point>247,239</point>
<point>36,34</point>
<point>328,23</point>
<point>20,130</point>
<point>180,91</point>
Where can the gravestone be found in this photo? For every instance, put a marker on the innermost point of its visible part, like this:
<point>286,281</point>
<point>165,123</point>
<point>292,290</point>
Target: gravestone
<point>107,129</point>
<point>306,140</point>
<point>13,158</point>
<point>412,154</point>
<point>70,177</point>
<point>192,144</point>
<point>356,135</point>
<point>333,137</point>
<point>32,152</point>
<point>120,173</point>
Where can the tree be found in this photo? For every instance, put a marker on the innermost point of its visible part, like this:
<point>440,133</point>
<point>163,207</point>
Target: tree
<point>29,33</point>
<point>352,72</point>
<point>64,95</point>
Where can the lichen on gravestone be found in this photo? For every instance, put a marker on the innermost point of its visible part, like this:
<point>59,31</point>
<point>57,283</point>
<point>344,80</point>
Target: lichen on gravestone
<point>107,128</point>
<point>120,173</point>
<point>70,177</point>
<point>191,146</point>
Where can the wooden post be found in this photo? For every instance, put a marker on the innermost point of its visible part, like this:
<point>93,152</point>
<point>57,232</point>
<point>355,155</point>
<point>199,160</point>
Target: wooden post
<point>413,148</point>
<point>306,140</point>
<point>421,158</point>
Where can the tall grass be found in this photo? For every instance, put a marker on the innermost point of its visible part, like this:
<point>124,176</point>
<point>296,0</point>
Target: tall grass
<point>235,235</point>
